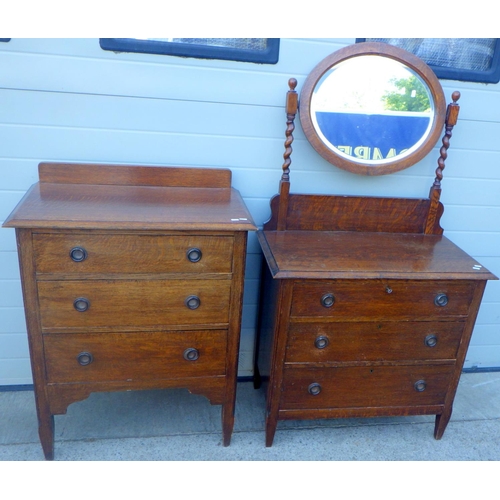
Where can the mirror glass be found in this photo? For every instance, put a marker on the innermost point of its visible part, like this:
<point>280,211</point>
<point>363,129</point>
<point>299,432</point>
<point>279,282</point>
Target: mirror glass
<point>373,110</point>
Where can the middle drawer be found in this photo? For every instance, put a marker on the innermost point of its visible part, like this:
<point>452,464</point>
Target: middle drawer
<point>373,341</point>
<point>132,304</point>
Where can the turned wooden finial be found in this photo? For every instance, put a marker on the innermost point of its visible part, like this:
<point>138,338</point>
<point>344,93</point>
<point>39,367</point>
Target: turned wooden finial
<point>453,109</point>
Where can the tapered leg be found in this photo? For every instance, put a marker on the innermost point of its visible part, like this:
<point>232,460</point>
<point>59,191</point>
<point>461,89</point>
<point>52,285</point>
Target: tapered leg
<point>46,433</point>
<point>233,347</point>
<point>441,423</point>
<point>271,424</point>
<point>227,422</point>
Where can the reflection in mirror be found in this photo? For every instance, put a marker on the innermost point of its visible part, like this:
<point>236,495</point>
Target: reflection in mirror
<point>372,110</point>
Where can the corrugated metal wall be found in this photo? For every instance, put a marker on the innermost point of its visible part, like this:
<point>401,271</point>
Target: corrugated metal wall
<point>69,100</point>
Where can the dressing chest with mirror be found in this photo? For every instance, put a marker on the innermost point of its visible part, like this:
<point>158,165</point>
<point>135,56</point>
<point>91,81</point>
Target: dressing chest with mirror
<point>132,279</point>
<point>366,308</point>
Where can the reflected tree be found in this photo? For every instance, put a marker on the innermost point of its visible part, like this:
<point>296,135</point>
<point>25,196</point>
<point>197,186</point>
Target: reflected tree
<point>409,95</point>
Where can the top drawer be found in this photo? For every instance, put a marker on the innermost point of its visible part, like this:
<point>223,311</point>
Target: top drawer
<point>131,253</point>
<point>365,300</point>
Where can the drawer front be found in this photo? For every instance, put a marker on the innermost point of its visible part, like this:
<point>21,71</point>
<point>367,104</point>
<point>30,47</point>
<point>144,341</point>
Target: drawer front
<point>132,356</point>
<point>391,299</point>
<point>132,303</point>
<point>373,341</point>
<point>355,387</point>
<point>102,253</point>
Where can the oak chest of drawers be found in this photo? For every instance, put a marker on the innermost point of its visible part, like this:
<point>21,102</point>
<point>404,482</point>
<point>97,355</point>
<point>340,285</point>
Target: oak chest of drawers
<point>367,309</point>
<point>132,279</point>
<point>361,324</point>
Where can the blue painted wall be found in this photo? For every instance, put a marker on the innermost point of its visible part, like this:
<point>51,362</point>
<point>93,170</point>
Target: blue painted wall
<point>69,100</point>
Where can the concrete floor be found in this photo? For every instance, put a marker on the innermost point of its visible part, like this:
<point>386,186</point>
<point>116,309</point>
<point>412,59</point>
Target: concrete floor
<point>173,425</point>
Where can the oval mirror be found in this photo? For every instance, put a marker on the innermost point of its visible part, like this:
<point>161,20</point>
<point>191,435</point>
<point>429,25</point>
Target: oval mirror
<point>372,108</point>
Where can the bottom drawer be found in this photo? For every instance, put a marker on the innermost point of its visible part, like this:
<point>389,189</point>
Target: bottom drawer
<point>372,386</point>
<point>131,356</point>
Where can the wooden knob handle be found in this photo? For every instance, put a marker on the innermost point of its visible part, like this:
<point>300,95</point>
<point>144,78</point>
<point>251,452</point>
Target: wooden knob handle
<point>78,254</point>
<point>85,358</point>
<point>420,385</point>
<point>441,300</point>
<point>327,300</point>
<point>314,389</point>
<point>192,302</point>
<point>191,354</point>
<point>430,340</point>
<point>81,304</point>
<point>321,342</point>
<point>194,255</point>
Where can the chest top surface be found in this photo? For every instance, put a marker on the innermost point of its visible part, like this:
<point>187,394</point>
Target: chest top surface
<point>127,197</point>
<point>345,254</point>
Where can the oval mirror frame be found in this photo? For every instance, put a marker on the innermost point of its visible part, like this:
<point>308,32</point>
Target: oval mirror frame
<point>395,163</point>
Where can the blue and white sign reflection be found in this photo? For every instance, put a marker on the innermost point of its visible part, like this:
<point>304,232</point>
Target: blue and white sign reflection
<point>371,109</point>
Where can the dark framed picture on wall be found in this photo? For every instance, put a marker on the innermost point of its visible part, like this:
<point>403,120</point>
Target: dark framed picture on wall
<point>464,59</point>
<point>255,50</point>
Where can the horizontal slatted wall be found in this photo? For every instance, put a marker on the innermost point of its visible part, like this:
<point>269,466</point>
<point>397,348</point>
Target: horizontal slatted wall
<point>69,100</point>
